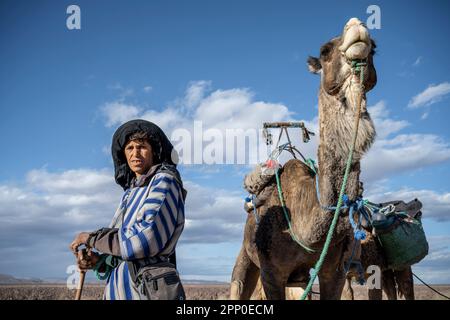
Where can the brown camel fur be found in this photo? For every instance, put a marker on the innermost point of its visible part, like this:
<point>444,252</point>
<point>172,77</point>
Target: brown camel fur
<point>268,247</point>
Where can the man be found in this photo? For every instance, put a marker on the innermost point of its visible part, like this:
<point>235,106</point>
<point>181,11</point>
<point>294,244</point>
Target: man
<point>148,223</point>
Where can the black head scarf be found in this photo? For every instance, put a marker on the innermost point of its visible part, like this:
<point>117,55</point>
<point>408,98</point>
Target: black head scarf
<point>162,148</point>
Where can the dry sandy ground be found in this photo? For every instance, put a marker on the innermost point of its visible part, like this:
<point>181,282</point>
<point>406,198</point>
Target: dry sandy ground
<point>193,292</point>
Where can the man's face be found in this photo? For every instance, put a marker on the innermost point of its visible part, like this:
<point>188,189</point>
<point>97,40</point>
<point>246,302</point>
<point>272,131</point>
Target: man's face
<point>139,156</point>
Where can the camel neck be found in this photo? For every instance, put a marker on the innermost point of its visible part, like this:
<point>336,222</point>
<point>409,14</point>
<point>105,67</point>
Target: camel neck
<point>336,124</point>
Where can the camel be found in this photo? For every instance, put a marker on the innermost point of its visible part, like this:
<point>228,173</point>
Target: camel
<point>333,93</point>
<point>334,85</point>
<point>268,251</point>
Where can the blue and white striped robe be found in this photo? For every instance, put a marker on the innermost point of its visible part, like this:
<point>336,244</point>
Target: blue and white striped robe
<point>153,219</point>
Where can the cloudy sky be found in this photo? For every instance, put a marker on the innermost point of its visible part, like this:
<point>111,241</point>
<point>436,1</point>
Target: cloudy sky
<point>225,65</point>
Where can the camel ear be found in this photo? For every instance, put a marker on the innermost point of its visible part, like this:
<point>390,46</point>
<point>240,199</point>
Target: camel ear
<point>314,65</point>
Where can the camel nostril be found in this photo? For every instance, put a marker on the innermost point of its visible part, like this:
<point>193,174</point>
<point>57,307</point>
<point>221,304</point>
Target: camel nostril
<point>353,21</point>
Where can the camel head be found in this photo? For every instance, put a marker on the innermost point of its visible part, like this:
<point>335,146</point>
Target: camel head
<point>336,56</point>
<point>340,89</point>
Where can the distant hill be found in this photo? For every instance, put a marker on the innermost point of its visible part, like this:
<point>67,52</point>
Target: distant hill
<point>8,279</point>
<point>90,279</point>
<point>190,281</point>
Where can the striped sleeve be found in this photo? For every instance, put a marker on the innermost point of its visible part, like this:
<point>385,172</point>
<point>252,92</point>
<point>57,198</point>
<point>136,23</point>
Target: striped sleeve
<point>156,220</point>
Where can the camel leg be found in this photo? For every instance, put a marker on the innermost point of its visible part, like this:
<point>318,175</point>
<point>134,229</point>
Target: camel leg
<point>375,294</point>
<point>405,283</point>
<point>388,284</point>
<point>258,293</point>
<point>347,292</point>
<point>273,281</point>
<point>331,285</point>
<point>332,276</point>
<point>244,277</point>
<point>385,284</point>
<point>294,293</point>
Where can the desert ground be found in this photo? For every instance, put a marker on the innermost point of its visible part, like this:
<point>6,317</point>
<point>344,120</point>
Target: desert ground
<point>193,292</point>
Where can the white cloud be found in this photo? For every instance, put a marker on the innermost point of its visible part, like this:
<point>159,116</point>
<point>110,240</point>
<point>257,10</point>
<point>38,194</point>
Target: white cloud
<point>402,153</point>
<point>417,62</point>
<point>210,203</point>
<point>118,112</point>
<point>231,109</point>
<point>73,192</point>
<point>228,109</point>
<point>394,153</point>
<point>220,110</point>
<point>425,115</point>
<point>435,267</point>
<point>383,124</point>
<point>53,207</point>
<point>431,95</point>
<point>195,92</point>
<point>147,89</point>
<point>39,220</point>
<point>80,180</point>
<point>168,119</point>
<point>220,261</point>
<point>236,108</point>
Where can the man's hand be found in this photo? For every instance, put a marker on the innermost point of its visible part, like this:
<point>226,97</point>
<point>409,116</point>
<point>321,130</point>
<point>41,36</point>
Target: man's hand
<point>80,239</point>
<point>87,259</point>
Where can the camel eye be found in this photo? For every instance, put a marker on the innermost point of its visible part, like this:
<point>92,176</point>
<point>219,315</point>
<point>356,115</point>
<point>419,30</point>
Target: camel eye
<point>325,50</point>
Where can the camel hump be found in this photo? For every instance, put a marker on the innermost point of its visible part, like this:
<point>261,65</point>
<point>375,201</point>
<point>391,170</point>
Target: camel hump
<point>296,168</point>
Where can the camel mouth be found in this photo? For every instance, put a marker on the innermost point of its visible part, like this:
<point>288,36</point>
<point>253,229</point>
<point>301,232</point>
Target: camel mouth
<point>357,51</point>
<point>356,43</point>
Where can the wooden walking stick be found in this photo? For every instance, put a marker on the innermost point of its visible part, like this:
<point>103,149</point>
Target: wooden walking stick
<point>81,256</point>
<point>80,285</point>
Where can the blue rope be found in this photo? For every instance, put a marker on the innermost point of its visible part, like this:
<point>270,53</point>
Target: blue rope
<point>255,213</point>
<point>357,206</point>
<point>312,165</point>
<point>359,234</point>
<point>251,198</point>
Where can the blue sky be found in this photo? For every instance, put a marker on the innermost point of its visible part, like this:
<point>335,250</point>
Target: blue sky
<point>64,92</point>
